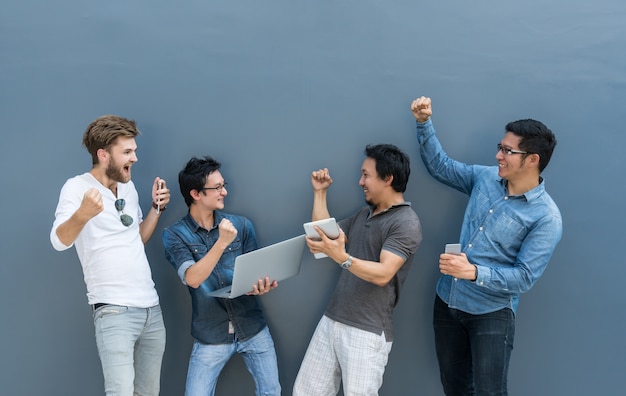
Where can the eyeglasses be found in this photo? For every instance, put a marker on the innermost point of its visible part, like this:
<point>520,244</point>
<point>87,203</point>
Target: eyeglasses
<point>217,188</point>
<point>124,218</point>
<point>509,151</point>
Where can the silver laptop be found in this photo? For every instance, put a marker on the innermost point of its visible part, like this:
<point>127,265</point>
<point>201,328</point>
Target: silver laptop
<point>278,261</point>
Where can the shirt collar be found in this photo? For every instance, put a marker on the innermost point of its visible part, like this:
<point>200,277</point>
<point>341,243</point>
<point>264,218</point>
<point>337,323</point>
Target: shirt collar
<point>405,203</point>
<point>193,225</point>
<point>529,195</point>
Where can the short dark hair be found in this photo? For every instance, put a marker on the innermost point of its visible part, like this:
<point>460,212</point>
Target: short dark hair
<point>391,161</point>
<point>103,131</point>
<point>194,175</point>
<point>536,138</point>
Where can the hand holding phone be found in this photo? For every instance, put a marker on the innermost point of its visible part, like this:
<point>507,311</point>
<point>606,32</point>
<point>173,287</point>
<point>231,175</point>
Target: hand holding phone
<point>159,186</point>
<point>453,248</point>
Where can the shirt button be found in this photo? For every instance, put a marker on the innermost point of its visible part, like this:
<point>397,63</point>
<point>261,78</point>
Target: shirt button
<point>480,228</point>
<point>490,210</point>
<point>506,198</point>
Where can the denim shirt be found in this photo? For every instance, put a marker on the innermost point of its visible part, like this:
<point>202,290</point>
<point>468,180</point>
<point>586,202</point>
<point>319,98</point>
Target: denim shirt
<point>186,243</point>
<point>510,238</point>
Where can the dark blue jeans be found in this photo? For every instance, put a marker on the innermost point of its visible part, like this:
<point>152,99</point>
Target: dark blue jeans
<point>473,350</point>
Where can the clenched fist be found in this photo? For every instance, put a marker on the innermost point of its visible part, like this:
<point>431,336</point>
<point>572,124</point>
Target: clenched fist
<point>422,109</point>
<point>91,204</point>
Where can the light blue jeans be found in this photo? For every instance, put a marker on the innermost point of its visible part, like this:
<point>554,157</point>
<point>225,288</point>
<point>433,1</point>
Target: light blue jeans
<point>207,361</point>
<point>131,342</point>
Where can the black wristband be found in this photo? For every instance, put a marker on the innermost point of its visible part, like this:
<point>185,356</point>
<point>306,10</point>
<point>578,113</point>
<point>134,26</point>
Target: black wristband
<point>155,206</point>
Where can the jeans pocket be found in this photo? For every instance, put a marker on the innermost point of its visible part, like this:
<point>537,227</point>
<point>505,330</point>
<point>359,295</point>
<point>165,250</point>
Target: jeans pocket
<point>109,310</point>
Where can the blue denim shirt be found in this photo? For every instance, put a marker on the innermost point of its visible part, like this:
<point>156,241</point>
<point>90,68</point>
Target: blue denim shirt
<point>185,243</point>
<point>509,238</point>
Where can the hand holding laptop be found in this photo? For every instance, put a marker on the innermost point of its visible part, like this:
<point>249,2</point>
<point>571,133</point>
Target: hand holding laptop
<point>262,287</point>
<point>253,269</point>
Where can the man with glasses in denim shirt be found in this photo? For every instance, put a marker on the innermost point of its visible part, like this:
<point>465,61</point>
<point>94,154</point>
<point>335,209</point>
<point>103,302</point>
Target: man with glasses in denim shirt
<point>202,247</point>
<point>99,212</point>
<point>510,230</point>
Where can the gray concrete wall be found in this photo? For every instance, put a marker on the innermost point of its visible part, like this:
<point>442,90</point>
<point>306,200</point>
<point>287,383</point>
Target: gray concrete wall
<point>275,89</point>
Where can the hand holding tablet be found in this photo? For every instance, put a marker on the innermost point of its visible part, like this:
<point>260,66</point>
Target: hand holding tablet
<point>328,226</point>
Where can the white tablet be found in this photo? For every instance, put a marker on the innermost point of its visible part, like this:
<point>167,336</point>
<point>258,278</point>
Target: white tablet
<point>329,226</point>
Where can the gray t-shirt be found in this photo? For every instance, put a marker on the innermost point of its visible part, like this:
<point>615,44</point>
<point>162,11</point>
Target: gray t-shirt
<point>362,304</point>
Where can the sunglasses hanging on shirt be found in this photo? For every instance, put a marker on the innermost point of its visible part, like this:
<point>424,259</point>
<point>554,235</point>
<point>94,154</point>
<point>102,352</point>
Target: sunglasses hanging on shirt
<point>124,218</point>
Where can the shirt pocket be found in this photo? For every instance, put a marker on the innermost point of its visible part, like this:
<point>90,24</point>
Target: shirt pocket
<point>235,247</point>
<point>230,253</point>
<point>198,251</point>
<point>507,233</point>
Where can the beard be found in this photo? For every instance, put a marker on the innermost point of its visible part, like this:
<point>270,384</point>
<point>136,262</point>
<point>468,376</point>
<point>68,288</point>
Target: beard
<point>116,173</point>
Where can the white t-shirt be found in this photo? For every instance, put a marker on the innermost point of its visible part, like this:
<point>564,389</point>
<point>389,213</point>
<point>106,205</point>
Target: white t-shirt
<point>115,266</point>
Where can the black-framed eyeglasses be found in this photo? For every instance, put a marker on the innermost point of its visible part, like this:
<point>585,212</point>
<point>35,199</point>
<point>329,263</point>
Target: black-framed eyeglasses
<point>216,188</point>
<point>124,218</point>
<point>509,151</point>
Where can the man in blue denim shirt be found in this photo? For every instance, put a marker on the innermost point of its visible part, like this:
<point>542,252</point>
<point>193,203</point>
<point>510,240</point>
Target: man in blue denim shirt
<point>202,246</point>
<point>510,230</point>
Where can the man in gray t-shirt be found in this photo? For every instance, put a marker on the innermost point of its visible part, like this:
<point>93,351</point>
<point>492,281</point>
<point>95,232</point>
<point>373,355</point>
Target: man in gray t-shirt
<point>375,247</point>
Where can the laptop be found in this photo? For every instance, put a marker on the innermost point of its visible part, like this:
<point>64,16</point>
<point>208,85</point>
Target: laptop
<point>278,261</point>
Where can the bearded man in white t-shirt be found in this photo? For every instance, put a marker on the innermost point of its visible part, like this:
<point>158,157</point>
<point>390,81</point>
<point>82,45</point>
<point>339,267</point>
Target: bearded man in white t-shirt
<point>99,213</point>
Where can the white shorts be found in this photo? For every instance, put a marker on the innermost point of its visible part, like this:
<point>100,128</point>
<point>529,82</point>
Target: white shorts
<point>338,352</point>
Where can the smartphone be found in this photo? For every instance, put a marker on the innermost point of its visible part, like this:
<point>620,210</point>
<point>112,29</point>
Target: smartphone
<point>159,186</point>
<point>453,248</point>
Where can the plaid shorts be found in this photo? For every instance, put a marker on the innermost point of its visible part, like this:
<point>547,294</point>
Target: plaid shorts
<point>338,352</point>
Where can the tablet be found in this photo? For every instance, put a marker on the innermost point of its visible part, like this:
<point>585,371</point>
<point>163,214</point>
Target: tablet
<point>329,226</point>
